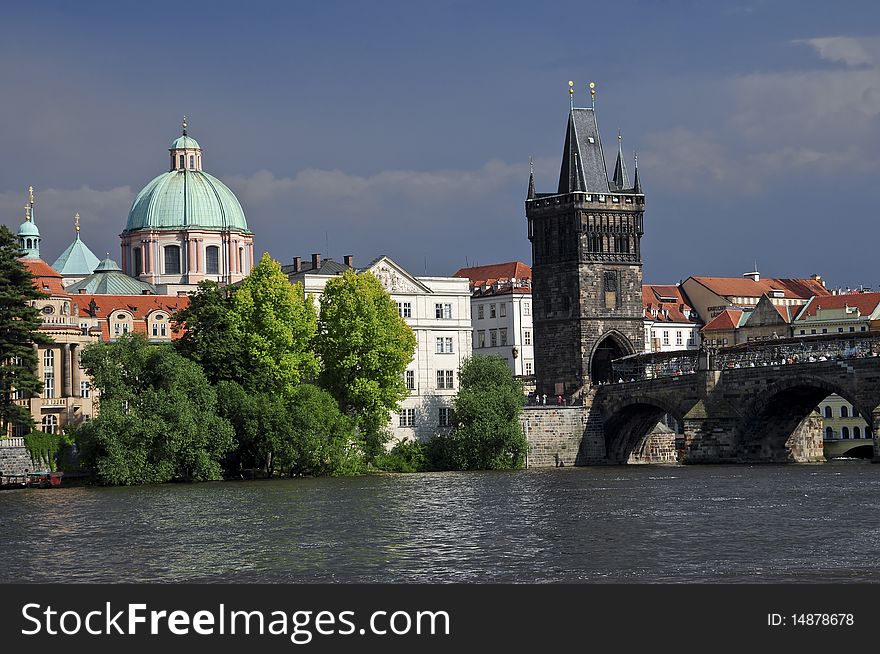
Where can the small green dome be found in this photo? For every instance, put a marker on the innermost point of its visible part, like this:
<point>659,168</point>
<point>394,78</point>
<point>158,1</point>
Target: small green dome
<point>186,199</point>
<point>185,142</point>
<point>28,229</point>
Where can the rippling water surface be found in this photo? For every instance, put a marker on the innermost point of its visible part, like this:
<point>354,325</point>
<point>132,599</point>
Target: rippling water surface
<point>797,523</point>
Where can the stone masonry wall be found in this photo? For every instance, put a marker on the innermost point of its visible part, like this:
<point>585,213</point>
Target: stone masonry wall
<point>15,461</point>
<point>554,435</point>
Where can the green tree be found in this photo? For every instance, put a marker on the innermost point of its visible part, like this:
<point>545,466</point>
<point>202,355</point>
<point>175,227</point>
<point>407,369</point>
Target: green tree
<point>212,336</point>
<point>261,424</point>
<point>19,322</point>
<point>323,440</point>
<point>487,433</point>
<point>364,346</point>
<point>276,324</point>
<point>158,417</point>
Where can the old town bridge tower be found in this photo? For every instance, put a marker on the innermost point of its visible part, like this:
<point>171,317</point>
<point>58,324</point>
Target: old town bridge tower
<point>586,263</point>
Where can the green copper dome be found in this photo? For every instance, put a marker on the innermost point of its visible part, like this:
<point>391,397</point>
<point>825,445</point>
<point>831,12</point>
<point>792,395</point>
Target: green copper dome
<point>28,228</point>
<point>186,199</point>
<point>185,142</point>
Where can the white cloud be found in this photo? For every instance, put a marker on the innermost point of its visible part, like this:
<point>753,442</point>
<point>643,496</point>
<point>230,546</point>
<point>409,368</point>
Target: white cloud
<point>840,49</point>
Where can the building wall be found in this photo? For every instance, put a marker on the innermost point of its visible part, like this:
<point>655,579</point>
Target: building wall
<point>517,321</point>
<point>671,336</point>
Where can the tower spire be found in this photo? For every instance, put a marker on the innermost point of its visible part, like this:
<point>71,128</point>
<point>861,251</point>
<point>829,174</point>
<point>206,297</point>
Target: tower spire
<point>76,223</point>
<point>570,94</point>
<point>531,194</point>
<point>637,184</point>
<point>184,125</point>
<point>620,179</point>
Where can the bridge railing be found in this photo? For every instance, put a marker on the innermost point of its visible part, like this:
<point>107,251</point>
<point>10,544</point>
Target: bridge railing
<point>655,365</point>
<point>772,352</point>
<point>791,351</point>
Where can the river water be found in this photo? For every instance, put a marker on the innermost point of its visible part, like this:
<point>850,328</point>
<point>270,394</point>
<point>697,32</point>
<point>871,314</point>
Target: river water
<point>795,523</point>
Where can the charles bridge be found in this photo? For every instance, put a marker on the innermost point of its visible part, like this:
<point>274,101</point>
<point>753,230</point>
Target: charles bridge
<point>751,403</point>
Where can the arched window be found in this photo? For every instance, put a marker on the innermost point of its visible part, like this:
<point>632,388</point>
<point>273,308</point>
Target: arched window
<point>844,432</point>
<point>829,434</point>
<point>172,259</point>
<point>181,166</point>
<point>192,162</point>
<point>50,424</point>
<point>48,359</point>
<point>844,412</point>
<point>138,261</point>
<point>241,260</point>
<point>828,411</point>
<point>212,260</point>
<point>857,433</point>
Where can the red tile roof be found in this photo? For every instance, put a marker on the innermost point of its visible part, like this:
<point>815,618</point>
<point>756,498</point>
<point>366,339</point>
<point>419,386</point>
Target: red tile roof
<point>866,303</point>
<point>727,319</point>
<point>802,289</point>
<point>46,278</point>
<point>501,273</point>
<point>653,296</point>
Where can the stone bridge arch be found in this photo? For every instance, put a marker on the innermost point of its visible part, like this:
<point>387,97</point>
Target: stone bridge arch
<point>779,423</point>
<point>629,419</point>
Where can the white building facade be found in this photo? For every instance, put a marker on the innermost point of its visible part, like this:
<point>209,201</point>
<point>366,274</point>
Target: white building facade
<point>501,314</point>
<point>438,311</point>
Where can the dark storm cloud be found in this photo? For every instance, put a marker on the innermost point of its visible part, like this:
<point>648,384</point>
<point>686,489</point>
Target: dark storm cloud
<point>406,130</point>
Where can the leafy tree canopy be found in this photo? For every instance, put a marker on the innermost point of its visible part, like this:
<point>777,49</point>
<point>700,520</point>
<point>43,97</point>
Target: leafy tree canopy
<point>158,417</point>
<point>487,433</point>
<point>365,346</point>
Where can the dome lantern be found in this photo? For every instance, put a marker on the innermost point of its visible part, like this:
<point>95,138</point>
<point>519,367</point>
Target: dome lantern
<point>186,153</point>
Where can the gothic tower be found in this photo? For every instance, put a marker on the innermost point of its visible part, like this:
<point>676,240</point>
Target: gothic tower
<point>586,264</point>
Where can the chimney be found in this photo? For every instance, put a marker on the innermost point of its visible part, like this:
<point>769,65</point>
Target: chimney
<point>817,278</point>
<point>297,264</point>
<point>349,260</point>
<point>316,261</point>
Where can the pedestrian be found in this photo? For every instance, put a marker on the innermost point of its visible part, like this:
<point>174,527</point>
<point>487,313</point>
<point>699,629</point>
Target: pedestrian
<point>544,398</point>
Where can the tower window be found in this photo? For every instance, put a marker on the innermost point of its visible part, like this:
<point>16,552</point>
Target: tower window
<point>212,260</point>
<point>172,259</point>
<point>181,165</point>
<point>192,162</point>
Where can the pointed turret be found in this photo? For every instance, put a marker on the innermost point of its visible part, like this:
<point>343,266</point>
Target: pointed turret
<point>620,179</point>
<point>637,184</point>
<point>77,261</point>
<point>531,193</point>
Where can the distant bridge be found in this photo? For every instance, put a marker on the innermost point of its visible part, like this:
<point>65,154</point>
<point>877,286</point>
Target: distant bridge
<point>750,403</point>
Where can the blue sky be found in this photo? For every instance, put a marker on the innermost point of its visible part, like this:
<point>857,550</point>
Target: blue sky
<point>405,128</point>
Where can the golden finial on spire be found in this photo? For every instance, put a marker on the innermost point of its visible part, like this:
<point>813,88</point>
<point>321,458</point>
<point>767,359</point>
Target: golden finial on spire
<point>593,93</point>
<point>27,213</point>
<point>31,195</point>
<point>184,124</point>
<point>570,93</point>
<point>76,222</point>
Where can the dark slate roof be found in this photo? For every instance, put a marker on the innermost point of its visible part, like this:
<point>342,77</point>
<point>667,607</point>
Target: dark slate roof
<point>327,267</point>
<point>583,163</point>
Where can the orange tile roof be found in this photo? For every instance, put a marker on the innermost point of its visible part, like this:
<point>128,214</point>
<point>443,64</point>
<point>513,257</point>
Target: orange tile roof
<point>866,303</point>
<point>727,319</point>
<point>46,278</point>
<point>652,295</point>
<point>140,306</point>
<point>802,289</point>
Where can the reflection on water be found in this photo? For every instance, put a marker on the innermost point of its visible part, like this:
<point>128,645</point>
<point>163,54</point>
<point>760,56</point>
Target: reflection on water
<point>624,524</point>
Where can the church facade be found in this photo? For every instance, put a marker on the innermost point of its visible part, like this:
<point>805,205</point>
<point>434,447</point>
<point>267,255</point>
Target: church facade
<point>586,264</point>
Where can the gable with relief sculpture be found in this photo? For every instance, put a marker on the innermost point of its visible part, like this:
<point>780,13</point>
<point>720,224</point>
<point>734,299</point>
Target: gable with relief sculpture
<point>395,279</point>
